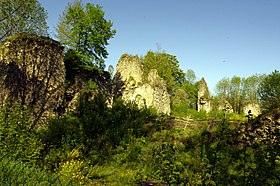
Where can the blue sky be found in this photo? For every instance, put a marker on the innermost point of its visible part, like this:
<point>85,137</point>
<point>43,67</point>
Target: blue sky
<point>214,38</point>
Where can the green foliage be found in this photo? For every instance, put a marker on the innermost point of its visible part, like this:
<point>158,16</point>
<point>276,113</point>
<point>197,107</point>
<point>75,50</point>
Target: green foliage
<point>131,153</point>
<point>72,167</point>
<point>74,65</point>
<point>183,110</point>
<point>237,91</point>
<point>233,155</point>
<point>184,99</point>
<point>262,137</point>
<point>22,16</point>
<point>180,101</point>
<point>14,172</point>
<point>97,127</point>
<point>250,86</point>
<point>192,91</point>
<point>230,90</point>
<point>223,88</point>
<point>190,76</point>
<point>167,66</point>
<point>119,144</point>
<point>184,92</point>
<point>16,140</point>
<point>166,165</point>
<point>269,91</point>
<point>84,29</point>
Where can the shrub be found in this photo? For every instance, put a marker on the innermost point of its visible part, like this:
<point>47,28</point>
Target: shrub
<point>97,127</point>
<point>72,167</point>
<point>167,167</point>
<point>16,139</point>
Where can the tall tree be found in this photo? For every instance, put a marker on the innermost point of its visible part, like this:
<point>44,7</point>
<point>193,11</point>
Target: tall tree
<point>84,29</point>
<point>250,86</point>
<point>222,88</point>
<point>269,91</point>
<point>168,68</point>
<point>191,90</point>
<point>190,76</point>
<point>238,90</point>
<point>235,93</point>
<point>22,16</point>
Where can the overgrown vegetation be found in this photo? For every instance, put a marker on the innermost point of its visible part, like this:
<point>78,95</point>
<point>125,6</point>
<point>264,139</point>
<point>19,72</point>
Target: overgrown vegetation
<point>167,67</point>
<point>119,144</point>
<point>15,172</point>
<point>237,91</point>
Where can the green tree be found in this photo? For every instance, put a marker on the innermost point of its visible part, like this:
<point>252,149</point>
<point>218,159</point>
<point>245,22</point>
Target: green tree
<point>237,90</point>
<point>250,86</point>
<point>22,16</point>
<point>192,90</point>
<point>269,91</point>
<point>168,68</point>
<point>84,29</point>
<point>190,76</point>
<point>235,93</point>
<point>222,88</point>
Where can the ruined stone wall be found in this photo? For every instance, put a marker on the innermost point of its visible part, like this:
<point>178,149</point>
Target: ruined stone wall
<point>253,107</point>
<point>203,101</point>
<point>32,73</point>
<point>100,80</point>
<point>145,88</point>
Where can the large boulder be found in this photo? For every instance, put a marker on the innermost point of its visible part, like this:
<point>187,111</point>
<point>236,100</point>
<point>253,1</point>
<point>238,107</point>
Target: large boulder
<point>32,73</point>
<point>139,85</point>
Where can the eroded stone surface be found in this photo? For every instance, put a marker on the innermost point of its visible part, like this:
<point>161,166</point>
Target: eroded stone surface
<point>145,88</point>
<point>32,74</point>
<point>203,101</point>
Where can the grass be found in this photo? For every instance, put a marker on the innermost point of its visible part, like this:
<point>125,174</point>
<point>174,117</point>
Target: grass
<point>13,172</point>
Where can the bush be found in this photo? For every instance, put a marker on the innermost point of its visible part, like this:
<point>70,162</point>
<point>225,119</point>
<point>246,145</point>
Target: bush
<point>16,139</point>
<point>166,165</point>
<point>71,169</point>
<point>97,127</point>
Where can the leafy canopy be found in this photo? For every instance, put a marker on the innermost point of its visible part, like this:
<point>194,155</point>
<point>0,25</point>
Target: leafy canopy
<point>269,91</point>
<point>22,16</point>
<point>168,68</point>
<point>237,90</point>
<point>84,29</point>
<point>190,76</point>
